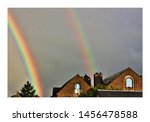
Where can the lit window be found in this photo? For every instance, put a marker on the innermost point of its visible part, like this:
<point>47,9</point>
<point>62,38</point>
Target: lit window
<point>129,83</point>
<point>77,88</point>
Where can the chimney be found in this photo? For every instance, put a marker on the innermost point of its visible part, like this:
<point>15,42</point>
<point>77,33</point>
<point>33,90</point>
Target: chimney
<point>87,79</point>
<point>98,78</point>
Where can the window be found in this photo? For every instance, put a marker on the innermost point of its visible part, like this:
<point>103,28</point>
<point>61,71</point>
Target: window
<point>77,88</point>
<point>129,82</point>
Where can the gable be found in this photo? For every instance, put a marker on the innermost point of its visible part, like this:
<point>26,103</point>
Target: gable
<point>119,81</point>
<point>67,90</point>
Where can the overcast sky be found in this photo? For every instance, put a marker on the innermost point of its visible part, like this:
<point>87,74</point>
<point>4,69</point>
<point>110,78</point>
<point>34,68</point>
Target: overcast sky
<point>115,36</point>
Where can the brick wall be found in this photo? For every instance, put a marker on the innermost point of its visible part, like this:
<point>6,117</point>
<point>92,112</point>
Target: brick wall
<point>120,82</point>
<point>68,90</point>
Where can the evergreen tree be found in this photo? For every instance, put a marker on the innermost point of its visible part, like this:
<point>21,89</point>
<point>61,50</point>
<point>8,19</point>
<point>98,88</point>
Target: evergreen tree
<point>28,91</point>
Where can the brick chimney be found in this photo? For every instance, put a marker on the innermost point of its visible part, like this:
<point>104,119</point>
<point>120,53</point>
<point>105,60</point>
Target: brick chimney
<point>98,78</point>
<point>87,79</point>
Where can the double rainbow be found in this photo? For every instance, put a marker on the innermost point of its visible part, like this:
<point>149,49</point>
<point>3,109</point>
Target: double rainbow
<point>82,41</point>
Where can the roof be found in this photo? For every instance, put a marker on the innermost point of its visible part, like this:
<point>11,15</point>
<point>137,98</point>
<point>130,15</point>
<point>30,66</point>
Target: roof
<point>55,91</point>
<point>109,79</point>
<point>114,93</point>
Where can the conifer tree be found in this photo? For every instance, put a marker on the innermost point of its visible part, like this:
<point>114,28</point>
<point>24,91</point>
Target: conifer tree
<point>28,91</point>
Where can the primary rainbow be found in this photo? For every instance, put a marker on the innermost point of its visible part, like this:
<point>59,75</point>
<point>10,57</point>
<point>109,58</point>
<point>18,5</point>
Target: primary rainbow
<point>83,41</point>
<point>26,54</point>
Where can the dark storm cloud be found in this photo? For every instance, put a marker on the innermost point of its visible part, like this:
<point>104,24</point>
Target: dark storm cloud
<point>115,37</point>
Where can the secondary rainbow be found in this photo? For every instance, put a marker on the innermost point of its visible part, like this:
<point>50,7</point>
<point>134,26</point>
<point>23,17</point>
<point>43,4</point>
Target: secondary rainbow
<point>82,41</point>
<point>26,54</point>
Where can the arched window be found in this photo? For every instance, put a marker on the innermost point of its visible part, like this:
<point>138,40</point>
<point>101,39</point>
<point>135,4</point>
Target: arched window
<point>129,83</point>
<point>77,88</point>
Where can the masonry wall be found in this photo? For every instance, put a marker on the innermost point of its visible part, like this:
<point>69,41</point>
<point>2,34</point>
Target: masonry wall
<point>68,90</point>
<point>119,83</point>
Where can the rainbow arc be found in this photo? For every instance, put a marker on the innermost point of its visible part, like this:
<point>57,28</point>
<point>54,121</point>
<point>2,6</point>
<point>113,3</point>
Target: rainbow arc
<point>28,60</point>
<point>82,41</point>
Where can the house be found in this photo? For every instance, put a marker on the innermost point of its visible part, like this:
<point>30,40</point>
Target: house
<point>126,83</point>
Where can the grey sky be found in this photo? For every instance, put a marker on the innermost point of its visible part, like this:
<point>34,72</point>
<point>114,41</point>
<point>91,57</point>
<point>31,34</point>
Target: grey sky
<point>115,36</point>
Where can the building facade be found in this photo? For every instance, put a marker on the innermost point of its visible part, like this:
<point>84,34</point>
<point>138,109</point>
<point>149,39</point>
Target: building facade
<point>124,83</point>
<point>126,80</point>
<point>73,87</point>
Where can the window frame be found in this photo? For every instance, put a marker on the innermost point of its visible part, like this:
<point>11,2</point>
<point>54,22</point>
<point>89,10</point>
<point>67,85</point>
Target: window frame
<point>133,83</point>
<point>77,89</point>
